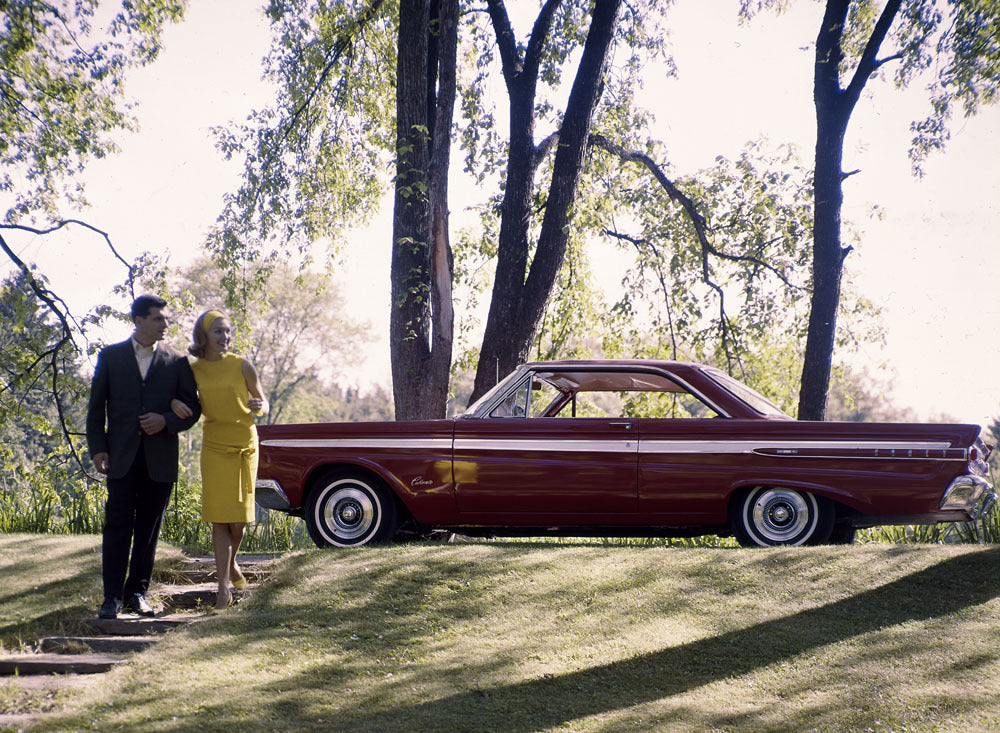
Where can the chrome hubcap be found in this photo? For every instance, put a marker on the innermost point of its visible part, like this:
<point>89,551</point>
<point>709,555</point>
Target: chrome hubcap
<point>349,513</point>
<point>781,515</point>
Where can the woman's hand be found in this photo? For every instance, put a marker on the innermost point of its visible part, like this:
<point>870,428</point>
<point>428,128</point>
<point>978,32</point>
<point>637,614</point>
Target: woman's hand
<point>256,405</point>
<point>180,408</point>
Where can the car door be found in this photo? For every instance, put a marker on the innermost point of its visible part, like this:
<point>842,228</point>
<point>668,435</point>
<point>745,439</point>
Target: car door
<point>686,467</point>
<point>549,470</point>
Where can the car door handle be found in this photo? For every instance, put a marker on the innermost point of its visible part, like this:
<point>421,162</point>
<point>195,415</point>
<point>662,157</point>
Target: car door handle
<point>626,425</point>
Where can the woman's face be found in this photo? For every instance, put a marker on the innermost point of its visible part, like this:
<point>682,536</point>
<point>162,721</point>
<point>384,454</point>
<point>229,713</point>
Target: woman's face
<point>219,337</point>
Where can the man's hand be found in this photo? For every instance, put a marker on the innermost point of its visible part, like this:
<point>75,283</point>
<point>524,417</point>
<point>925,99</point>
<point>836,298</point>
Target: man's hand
<point>180,409</point>
<point>152,423</point>
<point>100,462</point>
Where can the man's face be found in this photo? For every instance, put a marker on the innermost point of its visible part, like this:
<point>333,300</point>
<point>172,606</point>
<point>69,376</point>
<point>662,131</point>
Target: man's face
<point>152,327</point>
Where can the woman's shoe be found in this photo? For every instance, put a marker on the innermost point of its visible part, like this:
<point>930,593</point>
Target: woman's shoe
<point>220,608</point>
<point>238,579</point>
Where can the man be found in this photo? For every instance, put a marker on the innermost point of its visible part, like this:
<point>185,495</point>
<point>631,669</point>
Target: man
<point>132,437</point>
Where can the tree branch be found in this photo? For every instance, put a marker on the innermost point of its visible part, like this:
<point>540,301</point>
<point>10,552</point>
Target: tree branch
<point>638,244</point>
<point>542,149</point>
<point>85,225</point>
<point>58,307</point>
<point>329,61</point>
<point>41,292</point>
<point>689,207</point>
<point>867,64</point>
<point>510,60</point>
<point>539,36</point>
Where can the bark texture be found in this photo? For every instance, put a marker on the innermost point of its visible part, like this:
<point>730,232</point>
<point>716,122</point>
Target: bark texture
<point>520,290</point>
<point>834,106</point>
<point>421,317</point>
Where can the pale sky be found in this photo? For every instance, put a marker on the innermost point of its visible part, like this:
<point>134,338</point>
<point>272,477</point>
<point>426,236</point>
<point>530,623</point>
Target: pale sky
<point>929,263</point>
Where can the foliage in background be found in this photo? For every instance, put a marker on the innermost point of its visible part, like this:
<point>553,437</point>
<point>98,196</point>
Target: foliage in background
<point>47,502</point>
<point>63,67</point>
<point>952,50</point>
<point>41,392</point>
<point>315,161</point>
<point>295,333</point>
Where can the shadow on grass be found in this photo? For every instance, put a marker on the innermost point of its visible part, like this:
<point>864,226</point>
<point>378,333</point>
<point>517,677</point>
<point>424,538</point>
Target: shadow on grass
<point>53,581</point>
<point>391,585</point>
<point>940,590</point>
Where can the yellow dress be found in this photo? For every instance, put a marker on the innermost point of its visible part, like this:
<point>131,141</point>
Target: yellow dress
<point>229,446</point>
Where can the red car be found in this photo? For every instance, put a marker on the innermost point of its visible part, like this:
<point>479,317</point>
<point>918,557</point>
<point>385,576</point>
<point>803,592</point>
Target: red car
<point>557,448</point>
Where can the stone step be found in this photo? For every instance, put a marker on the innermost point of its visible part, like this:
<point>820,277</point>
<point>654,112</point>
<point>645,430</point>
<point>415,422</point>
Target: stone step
<point>99,644</point>
<point>207,575</point>
<point>34,664</point>
<point>202,569</point>
<point>194,596</point>
<point>254,562</point>
<point>193,587</point>
<point>141,625</point>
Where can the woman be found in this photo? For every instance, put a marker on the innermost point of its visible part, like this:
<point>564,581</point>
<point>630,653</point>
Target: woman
<point>231,394</point>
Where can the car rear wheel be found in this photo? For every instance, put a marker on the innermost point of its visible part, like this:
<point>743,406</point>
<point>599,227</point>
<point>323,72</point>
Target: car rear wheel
<point>347,510</point>
<point>767,516</point>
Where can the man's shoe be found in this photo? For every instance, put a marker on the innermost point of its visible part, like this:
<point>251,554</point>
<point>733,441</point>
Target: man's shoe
<point>110,608</point>
<point>137,603</point>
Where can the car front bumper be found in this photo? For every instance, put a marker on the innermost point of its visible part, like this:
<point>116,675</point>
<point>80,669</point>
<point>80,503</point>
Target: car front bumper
<point>269,495</point>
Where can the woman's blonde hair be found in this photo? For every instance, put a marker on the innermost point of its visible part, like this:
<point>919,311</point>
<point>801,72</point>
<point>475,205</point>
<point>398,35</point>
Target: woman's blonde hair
<point>199,336</point>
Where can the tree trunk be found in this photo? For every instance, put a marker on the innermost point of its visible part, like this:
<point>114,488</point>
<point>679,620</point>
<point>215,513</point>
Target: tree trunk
<point>442,269</point>
<point>834,107</point>
<point>828,259</point>
<point>421,320</point>
<point>519,293</point>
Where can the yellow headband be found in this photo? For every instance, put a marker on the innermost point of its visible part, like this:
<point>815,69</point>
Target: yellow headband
<point>209,318</point>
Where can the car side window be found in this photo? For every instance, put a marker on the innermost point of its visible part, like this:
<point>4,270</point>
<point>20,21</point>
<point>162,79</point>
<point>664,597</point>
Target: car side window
<point>636,404</point>
<point>543,395</point>
<point>514,404</point>
<point>531,398</point>
<point>670,405</point>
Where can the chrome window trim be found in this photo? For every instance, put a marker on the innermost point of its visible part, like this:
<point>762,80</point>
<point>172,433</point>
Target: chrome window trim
<point>530,371</point>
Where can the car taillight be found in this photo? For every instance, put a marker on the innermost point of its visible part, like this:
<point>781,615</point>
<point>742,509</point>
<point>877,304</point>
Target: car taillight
<point>978,453</point>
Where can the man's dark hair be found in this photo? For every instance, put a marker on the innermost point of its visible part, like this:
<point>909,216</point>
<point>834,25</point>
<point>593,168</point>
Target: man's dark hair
<point>144,303</point>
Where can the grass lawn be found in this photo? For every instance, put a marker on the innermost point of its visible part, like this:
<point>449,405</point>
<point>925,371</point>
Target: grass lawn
<point>535,637</point>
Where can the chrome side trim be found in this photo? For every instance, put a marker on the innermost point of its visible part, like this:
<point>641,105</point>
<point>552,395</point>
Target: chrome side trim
<point>774,449</point>
<point>404,443</point>
<point>582,445</point>
<point>785,448</point>
<point>269,495</point>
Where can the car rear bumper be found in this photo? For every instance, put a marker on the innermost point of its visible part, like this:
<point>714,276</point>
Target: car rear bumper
<point>973,495</point>
<point>269,495</point>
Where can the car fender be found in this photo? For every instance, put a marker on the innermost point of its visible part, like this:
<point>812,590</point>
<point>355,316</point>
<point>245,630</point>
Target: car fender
<point>824,490</point>
<point>410,501</point>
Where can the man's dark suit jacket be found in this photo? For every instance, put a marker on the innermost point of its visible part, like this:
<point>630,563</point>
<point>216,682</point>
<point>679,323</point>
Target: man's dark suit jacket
<point>118,395</point>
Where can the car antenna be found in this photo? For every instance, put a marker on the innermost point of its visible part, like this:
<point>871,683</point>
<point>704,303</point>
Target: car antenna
<point>498,371</point>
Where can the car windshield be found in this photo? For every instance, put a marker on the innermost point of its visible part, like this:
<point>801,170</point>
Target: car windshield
<point>755,400</point>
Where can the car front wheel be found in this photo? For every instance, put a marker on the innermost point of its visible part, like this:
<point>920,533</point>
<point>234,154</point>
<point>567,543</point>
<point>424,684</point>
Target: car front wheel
<point>347,510</point>
<point>768,516</point>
